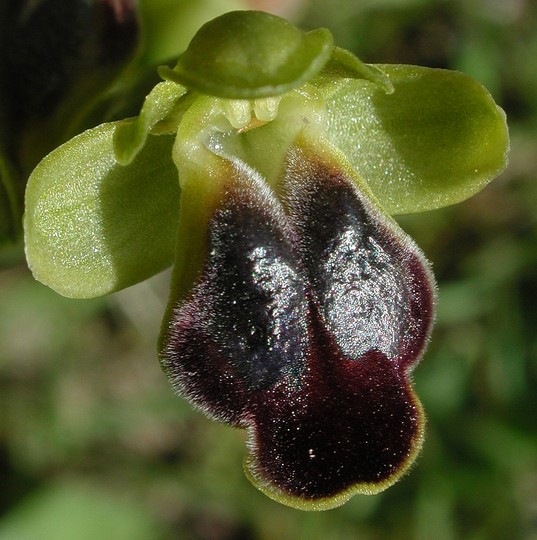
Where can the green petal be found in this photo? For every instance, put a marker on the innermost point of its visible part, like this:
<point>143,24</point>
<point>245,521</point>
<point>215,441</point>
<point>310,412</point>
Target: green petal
<point>92,226</point>
<point>250,54</point>
<point>156,114</point>
<point>438,139</point>
<point>344,64</point>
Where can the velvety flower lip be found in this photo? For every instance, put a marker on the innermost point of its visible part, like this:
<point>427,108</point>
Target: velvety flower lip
<point>308,315</point>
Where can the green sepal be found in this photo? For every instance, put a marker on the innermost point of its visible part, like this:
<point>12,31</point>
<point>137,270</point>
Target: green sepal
<point>157,116</point>
<point>250,54</point>
<point>438,139</point>
<point>93,227</point>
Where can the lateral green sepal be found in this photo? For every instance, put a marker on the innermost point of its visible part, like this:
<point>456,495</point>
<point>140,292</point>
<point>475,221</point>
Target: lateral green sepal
<point>438,139</point>
<point>93,227</point>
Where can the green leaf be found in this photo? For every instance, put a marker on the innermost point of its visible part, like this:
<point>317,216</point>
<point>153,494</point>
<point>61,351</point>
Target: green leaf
<point>438,139</point>
<point>250,54</point>
<point>10,201</point>
<point>92,226</point>
<point>76,508</point>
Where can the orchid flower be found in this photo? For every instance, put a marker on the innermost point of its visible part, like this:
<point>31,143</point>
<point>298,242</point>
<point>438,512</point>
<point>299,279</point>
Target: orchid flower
<point>265,168</point>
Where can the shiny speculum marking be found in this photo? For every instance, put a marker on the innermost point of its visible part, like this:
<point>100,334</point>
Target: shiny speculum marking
<point>259,309</point>
<point>370,279</point>
<point>303,327</point>
<point>244,328</point>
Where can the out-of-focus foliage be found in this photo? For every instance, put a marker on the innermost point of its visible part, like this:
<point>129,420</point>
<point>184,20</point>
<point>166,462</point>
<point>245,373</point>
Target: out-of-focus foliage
<point>88,424</point>
<point>58,64</point>
<point>67,67</point>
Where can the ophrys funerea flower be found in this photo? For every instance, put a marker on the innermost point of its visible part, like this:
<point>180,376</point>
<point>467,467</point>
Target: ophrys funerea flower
<point>266,167</point>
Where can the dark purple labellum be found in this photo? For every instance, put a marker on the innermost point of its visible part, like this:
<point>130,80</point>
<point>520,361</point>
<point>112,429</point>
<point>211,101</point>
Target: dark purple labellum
<point>303,326</point>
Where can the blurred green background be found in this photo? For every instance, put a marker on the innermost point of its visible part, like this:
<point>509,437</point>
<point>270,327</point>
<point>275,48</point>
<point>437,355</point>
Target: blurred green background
<point>94,444</point>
